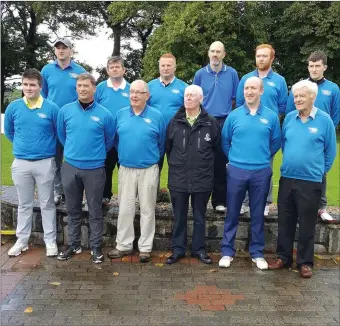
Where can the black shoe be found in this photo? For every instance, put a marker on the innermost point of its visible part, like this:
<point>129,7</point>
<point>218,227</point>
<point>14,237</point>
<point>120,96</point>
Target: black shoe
<point>69,252</point>
<point>97,256</point>
<point>203,257</point>
<point>174,258</point>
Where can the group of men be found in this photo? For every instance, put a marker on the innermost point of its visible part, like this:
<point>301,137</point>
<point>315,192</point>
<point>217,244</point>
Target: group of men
<point>220,136</point>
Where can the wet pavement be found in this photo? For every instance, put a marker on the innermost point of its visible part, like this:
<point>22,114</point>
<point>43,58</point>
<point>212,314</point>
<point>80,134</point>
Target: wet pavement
<point>36,290</point>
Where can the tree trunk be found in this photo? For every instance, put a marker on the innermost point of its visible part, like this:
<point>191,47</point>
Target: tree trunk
<point>116,39</point>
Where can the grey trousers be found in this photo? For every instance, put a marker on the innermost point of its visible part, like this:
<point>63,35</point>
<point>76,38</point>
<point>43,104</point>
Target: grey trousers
<point>75,181</point>
<point>323,201</point>
<point>26,174</point>
<point>58,187</point>
<point>270,193</point>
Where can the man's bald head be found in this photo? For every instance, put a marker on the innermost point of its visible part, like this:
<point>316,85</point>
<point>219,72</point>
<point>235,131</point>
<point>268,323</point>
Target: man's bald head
<point>253,89</point>
<point>216,55</point>
<point>254,80</point>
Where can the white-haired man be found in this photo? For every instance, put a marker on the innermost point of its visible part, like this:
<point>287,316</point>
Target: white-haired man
<point>193,137</point>
<point>309,150</point>
<point>141,137</point>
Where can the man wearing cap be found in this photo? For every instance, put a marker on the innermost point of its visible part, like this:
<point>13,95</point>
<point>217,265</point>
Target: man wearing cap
<point>219,83</point>
<point>59,86</point>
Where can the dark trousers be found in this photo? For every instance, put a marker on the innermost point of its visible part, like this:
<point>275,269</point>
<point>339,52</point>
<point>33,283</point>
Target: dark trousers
<point>110,163</point>
<point>257,183</point>
<point>219,191</point>
<point>297,200</point>
<point>180,206</point>
<point>75,181</point>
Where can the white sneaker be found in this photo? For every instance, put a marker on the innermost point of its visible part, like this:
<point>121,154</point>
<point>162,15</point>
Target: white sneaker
<point>260,263</point>
<point>58,199</point>
<point>327,218</point>
<point>225,261</point>
<point>220,209</point>
<point>51,249</point>
<point>266,210</point>
<point>244,209</point>
<point>17,249</point>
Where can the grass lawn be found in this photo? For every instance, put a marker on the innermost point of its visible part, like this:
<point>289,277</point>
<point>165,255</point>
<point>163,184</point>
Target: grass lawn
<point>333,177</point>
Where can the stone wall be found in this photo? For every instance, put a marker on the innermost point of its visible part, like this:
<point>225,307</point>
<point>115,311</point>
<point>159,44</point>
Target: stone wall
<point>327,237</point>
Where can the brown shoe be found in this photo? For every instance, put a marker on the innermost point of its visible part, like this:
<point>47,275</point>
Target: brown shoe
<point>306,271</point>
<point>276,264</point>
<point>144,257</point>
<point>115,253</point>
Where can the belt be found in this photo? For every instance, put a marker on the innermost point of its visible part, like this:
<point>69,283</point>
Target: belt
<point>38,159</point>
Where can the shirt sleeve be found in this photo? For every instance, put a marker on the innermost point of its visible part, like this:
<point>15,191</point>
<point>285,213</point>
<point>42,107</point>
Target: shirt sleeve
<point>169,136</point>
<point>197,79</point>
<point>290,103</point>
<point>226,136</point>
<point>235,84</point>
<point>275,141</point>
<point>335,107</point>
<point>44,88</point>
<point>330,146</point>
<point>55,118</point>
<point>283,132</point>
<point>9,123</point>
<point>283,96</point>
<point>110,131</point>
<point>240,94</point>
<point>61,127</point>
<point>161,136</point>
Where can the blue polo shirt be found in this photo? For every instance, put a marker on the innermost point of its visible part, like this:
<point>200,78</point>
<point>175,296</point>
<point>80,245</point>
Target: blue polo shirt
<point>250,141</point>
<point>59,85</point>
<point>327,100</point>
<point>275,91</point>
<point>86,134</point>
<point>309,148</point>
<point>141,138</point>
<point>219,89</point>
<point>167,99</point>
<point>33,132</point>
<point>110,98</point>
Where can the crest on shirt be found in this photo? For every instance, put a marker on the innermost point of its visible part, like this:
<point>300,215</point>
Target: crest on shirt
<point>270,83</point>
<point>175,91</point>
<point>73,74</point>
<point>265,121</point>
<point>94,118</point>
<point>125,94</point>
<point>313,130</point>
<point>207,137</point>
<point>326,92</point>
<point>147,120</point>
<point>42,115</point>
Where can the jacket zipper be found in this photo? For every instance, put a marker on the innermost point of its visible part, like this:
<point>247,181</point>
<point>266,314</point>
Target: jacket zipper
<point>199,139</point>
<point>183,138</point>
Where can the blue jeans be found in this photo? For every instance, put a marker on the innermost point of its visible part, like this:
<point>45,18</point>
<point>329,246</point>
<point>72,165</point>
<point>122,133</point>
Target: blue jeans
<point>257,183</point>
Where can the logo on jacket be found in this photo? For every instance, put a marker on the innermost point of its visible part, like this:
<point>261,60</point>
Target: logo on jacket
<point>42,115</point>
<point>147,120</point>
<point>73,75</point>
<point>94,118</point>
<point>326,92</point>
<point>265,121</point>
<point>270,83</point>
<point>313,130</point>
<point>175,91</point>
<point>207,137</point>
<point>125,94</point>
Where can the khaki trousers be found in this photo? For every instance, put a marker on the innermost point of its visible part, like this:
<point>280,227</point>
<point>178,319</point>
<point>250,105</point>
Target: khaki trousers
<point>144,183</point>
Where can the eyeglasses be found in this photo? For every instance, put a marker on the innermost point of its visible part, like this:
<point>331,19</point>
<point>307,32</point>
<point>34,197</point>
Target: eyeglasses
<point>138,93</point>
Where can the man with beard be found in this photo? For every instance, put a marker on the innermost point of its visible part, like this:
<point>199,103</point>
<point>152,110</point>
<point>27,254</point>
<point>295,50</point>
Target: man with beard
<point>113,94</point>
<point>327,100</point>
<point>219,83</point>
<point>274,97</point>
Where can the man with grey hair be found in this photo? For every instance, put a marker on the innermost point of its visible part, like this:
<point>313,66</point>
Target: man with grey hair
<point>87,131</point>
<point>309,150</point>
<point>113,94</point>
<point>141,137</point>
<point>193,138</point>
<point>59,86</point>
<point>219,83</point>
